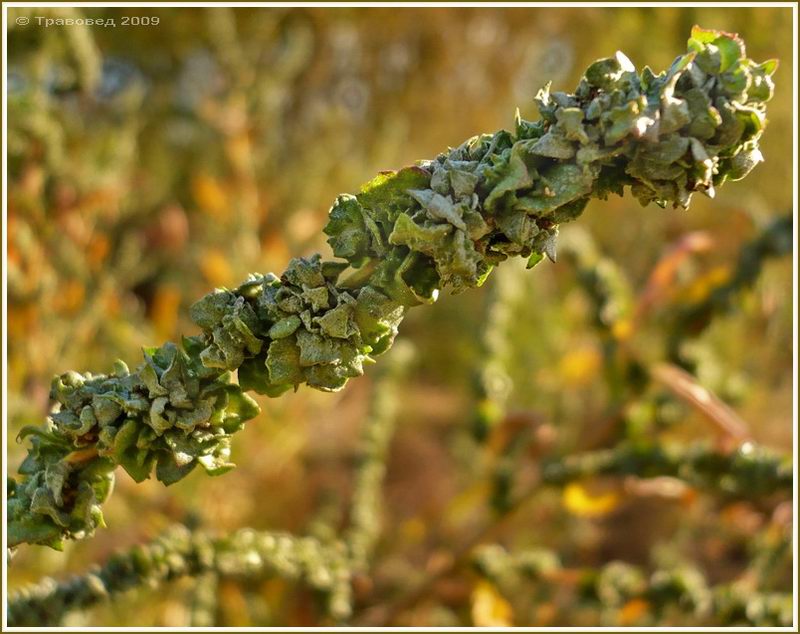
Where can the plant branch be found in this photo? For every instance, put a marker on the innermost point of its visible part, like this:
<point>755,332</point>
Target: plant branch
<point>377,431</point>
<point>181,552</point>
<point>616,584</point>
<point>444,223</point>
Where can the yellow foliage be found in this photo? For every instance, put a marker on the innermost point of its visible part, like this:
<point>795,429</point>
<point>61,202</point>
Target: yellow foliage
<point>274,250</point>
<point>546,614</point>
<point>463,505</point>
<point>579,366</point>
<point>489,410</point>
<point>71,297</point>
<point>164,310</point>
<point>414,530</point>
<point>489,608</point>
<point>273,591</point>
<point>586,501</point>
<point>112,304</point>
<point>98,249</point>
<point>22,320</point>
<point>705,284</point>
<point>633,611</point>
<point>622,329</point>
<point>210,195</point>
<point>239,150</point>
<point>215,268</point>
<point>233,604</point>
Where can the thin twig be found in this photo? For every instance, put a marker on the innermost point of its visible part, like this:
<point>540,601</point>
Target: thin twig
<point>728,423</point>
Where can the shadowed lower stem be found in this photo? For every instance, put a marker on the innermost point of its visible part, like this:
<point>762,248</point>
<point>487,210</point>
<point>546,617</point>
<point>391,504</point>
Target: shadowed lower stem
<point>181,552</point>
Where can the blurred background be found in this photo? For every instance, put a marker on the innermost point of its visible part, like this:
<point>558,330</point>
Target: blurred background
<point>151,163</point>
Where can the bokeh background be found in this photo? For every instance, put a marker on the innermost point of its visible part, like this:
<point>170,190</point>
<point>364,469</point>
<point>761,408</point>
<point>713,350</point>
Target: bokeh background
<point>148,164</point>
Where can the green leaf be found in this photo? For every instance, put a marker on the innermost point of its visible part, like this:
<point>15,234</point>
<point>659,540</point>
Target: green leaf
<point>704,118</point>
<point>570,121</point>
<point>517,226</point>
<point>605,73</point>
<point>348,235</point>
<point>316,349</point>
<point>253,374</point>
<point>209,310</point>
<point>625,120</point>
<point>386,196</point>
<point>438,207</point>
<point>240,404</point>
<point>463,183</point>
<point>283,362</point>
<point>138,463</point>
<point>169,472</point>
<point>216,464</point>
<point>564,183</point>
<point>377,318</point>
<point>743,163</point>
<point>551,145</point>
<point>337,322</point>
<point>674,114</point>
<point>534,260</point>
<point>285,327</point>
<point>730,48</point>
<point>515,174</point>
<point>34,529</point>
<point>425,239</point>
<point>769,67</point>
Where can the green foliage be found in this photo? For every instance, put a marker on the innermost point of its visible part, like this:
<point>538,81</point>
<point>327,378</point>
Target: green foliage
<point>171,415</point>
<point>365,511</point>
<point>773,242</point>
<point>324,565</point>
<point>505,194</point>
<point>617,584</point>
<point>442,223</point>
<point>147,166</point>
<point>751,472</point>
<point>181,552</point>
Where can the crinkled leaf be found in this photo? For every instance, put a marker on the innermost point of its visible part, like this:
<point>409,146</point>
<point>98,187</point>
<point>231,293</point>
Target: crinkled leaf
<point>283,362</point>
<point>552,145</point>
<point>565,182</point>
<point>425,239</point>
<point>348,235</point>
<point>284,327</point>
<point>515,174</point>
<point>169,472</point>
